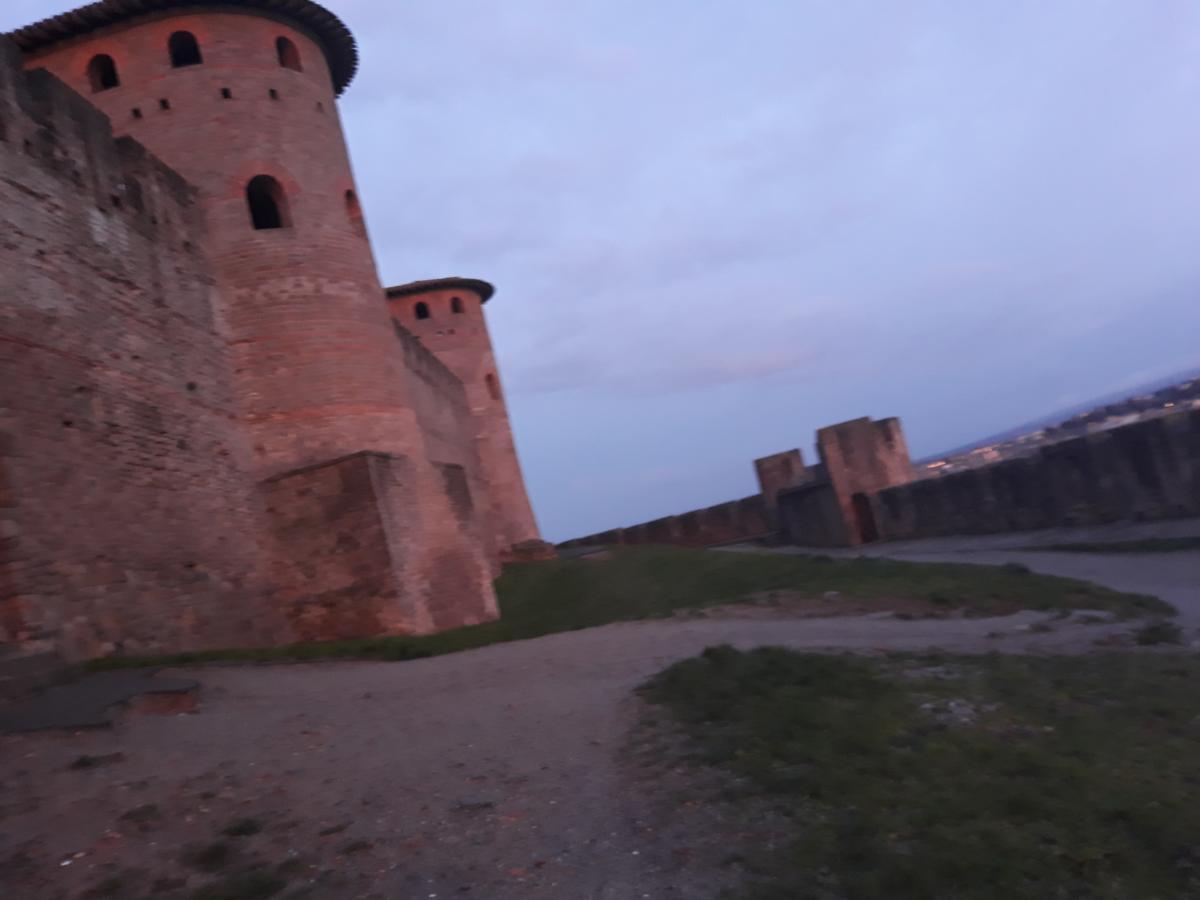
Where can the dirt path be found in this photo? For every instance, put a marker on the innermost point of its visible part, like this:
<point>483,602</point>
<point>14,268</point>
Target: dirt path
<point>492,774</point>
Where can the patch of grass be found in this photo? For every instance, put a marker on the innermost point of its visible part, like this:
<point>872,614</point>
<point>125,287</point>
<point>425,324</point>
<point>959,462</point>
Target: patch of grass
<point>143,817</point>
<point>114,886</point>
<point>210,857</point>
<point>242,828</point>
<point>1049,777</point>
<point>1159,633</point>
<point>94,762</point>
<point>657,582</point>
<point>242,886</point>
<point>1148,545</point>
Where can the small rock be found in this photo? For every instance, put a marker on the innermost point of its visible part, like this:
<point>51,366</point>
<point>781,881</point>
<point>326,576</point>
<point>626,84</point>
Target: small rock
<point>831,596</point>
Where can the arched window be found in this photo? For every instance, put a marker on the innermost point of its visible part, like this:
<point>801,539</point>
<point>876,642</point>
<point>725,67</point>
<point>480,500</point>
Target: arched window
<point>354,213</point>
<point>422,310</point>
<point>456,306</point>
<point>268,205</point>
<point>289,56</point>
<point>102,73</point>
<point>493,386</point>
<point>185,50</point>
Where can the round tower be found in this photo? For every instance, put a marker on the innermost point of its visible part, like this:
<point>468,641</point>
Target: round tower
<point>447,315</point>
<point>239,97</point>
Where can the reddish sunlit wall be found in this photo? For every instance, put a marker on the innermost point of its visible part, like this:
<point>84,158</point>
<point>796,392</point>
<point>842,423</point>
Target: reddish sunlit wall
<point>460,340</point>
<point>318,372</point>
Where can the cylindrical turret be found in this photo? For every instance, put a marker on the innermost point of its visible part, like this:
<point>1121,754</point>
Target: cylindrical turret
<point>239,98</point>
<point>446,314</point>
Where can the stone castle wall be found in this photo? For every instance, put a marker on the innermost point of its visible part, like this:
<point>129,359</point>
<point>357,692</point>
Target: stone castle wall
<point>454,328</point>
<point>127,518</point>
<point>1146,470</point>
<point>823,503</point>
<point>212,435</point>
<point>747,519</point>
<point>863,490</point>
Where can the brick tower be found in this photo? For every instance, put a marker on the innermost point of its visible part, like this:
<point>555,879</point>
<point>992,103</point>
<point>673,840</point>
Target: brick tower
<point>447,315</point>
<point>239,97</point>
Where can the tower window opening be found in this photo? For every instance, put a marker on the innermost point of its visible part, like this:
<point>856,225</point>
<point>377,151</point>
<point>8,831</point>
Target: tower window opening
<point>456,306</point>
<point>289,56</point>
<point>273,93</point>
<point>226,93</point>
<point>355,214</point>
<point>164,104</point>
<point>422,310</point>
<point>268,204</point>
<point>137,113</point>
<point>185,50</point>
<point>493,386</point>
<point>102,73</point>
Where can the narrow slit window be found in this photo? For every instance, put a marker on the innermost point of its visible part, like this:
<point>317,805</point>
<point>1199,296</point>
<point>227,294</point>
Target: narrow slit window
<point>226,94</point>
<point>354,214</point>
<point>268,204</point>
<point>456,306</point>
<point>102,73</point>
<point>422,310</point>
<point>289,56</point>
<point>185,50</point>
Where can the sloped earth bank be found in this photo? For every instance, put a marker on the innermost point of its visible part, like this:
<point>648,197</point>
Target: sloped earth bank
<point>504,772</point>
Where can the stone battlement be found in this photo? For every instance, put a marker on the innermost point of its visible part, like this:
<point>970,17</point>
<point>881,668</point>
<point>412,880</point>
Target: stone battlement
<point>865,489</point>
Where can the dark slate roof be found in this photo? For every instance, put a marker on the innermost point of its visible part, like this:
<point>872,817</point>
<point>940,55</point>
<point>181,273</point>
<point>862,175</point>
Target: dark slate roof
<point>330,32</point>
<point>482,288</point>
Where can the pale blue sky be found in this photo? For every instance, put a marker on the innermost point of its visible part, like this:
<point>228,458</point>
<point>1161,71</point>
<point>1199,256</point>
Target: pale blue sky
<point>716,226</point>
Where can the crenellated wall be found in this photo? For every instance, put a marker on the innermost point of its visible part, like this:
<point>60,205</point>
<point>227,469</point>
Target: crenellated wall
<point>1146,470</point>
<point>863,490</point>
<point>822,505</point>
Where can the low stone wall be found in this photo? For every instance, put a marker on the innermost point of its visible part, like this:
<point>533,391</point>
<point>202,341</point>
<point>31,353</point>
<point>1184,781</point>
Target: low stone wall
<point>811,516</point>
<point>726,523</point>
<point>1147,470</point>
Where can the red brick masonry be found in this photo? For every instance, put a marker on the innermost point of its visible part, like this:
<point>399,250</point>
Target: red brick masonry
<point>213,433</point>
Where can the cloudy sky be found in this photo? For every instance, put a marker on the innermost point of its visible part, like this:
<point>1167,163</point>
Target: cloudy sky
<point>716,226</point>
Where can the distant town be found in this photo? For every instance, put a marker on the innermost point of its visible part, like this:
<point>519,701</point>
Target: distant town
<point>1162,402</point>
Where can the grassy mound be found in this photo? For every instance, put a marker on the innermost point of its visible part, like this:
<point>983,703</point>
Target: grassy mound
<point>652,582</point>
<point>970,778</point>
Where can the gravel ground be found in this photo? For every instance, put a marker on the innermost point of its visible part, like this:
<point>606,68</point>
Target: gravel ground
<point>499,773</point>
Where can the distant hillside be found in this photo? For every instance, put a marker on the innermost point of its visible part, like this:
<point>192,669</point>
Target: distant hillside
<point>1072,412</point>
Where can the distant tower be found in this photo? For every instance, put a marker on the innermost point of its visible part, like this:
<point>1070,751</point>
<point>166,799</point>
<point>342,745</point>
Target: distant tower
<point>447,315</point>
<point>240,99</point>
